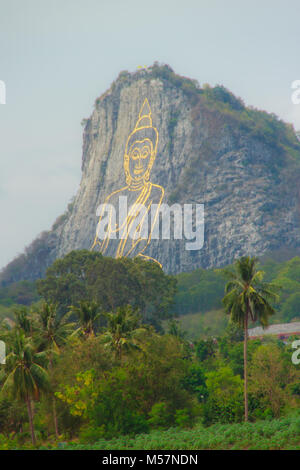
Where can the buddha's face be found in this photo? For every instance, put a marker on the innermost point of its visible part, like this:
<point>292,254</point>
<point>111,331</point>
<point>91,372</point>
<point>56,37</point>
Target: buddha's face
<point>139,158</point>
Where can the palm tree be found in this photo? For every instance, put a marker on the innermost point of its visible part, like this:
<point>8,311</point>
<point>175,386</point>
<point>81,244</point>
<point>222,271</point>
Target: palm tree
<point>26,374</point>
<point>24,321</point>
<point>53,329</point>
<point>88,314</point>
<point>122,330</point>
<point>247,299</point>
<point>53,332</point>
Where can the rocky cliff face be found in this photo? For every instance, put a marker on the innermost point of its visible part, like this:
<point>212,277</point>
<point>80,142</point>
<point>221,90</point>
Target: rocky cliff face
<point>211,150</point>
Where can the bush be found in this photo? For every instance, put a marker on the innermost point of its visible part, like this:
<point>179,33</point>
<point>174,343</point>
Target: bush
<point>160,417</point>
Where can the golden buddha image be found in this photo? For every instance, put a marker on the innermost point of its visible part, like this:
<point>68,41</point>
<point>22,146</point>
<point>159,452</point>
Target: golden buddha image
<point>124,235</point>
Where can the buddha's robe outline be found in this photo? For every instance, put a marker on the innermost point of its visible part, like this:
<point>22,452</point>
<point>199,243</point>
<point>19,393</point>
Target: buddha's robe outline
<point>125,239</point>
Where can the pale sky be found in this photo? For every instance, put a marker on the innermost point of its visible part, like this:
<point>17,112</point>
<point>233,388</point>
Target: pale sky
<point>58,56</point>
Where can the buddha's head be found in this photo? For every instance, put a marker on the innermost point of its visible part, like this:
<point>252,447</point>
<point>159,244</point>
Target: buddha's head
<point>141,147</point>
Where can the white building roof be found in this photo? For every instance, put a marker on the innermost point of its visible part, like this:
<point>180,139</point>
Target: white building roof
<point>281,329</point>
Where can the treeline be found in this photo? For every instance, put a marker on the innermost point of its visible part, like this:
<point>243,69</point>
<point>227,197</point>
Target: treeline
<point>86,276</point>
<point>199,291</point>
<point>202,290</point>
<point>23,292</point>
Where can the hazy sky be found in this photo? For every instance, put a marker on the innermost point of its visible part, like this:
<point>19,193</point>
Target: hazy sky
<point>57,56</point>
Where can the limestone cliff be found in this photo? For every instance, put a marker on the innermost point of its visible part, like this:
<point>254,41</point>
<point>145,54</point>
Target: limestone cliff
<point>243,164</point>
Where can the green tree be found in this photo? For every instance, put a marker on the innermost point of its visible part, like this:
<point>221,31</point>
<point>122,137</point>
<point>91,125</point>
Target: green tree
<point>88,315</point>
<point>247,298</point>
<point>123,330</point>
<point>53,329</point>
<point>24,321</point>
<point>270,373</point>
<point>66,279</point>
<point>194,382</point>
<point>222,384</point>
<point>106,404</point>
<point>53,332</point>
<point>205,348</point>
<point>157,292</point>
<point>225,396</point>
<point>291,307</point>
<point>83,275</point>
<point>26,374</point>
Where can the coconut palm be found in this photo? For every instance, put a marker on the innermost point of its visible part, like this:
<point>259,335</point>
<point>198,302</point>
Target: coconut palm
<point>53,332</point>
<point>24,321</point>
<point>123,329</point>
<point>247,299</point>
<point>88,315</point>
<point>53,329</point>
<point>26,373</point>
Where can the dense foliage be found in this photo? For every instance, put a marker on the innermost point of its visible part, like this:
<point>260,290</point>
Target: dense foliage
<point>98,358</point>
<point>199,292</point>
<point>84,275</point>
<point>159,382</point>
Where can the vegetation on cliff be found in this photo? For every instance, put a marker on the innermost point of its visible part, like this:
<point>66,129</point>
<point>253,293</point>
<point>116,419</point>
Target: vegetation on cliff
<point>260,124</point>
